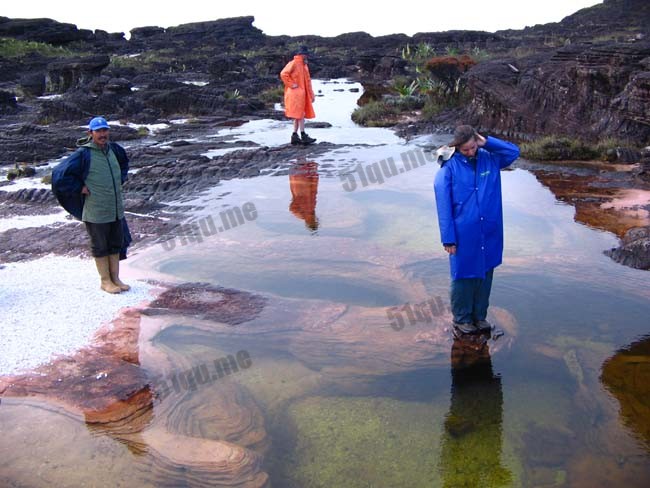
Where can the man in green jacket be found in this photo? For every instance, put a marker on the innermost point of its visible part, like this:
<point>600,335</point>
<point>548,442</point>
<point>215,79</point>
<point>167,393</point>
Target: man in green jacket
<point>103,208</point>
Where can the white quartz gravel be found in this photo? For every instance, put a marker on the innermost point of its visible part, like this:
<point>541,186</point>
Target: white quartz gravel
<point>52,306</point>
<point>25,221</point>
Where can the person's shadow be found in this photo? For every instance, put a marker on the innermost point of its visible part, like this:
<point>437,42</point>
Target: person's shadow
<point>303,182</point>
<point>472,437</point>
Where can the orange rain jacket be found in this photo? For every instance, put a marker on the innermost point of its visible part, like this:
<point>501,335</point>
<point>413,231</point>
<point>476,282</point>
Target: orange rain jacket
<point>297,101</point>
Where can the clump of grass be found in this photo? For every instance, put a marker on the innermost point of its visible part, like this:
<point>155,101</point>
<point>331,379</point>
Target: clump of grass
<point>376,113</point>
<point>148,59</point>
<point>608,144</point>
<point>14,48</point>
<point>432,107</point>
<point>553,148</point>
<point>272,95</point>
<point>233,95</point>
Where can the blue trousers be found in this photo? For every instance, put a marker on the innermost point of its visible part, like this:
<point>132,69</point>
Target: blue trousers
<point>470,298</point>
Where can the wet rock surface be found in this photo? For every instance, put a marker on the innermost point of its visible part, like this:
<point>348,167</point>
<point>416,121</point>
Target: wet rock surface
<point>634,250</point>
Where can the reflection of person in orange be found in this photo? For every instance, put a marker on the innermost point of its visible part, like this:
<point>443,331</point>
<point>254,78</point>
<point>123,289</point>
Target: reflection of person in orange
<point>471,445</point>
<point>303,181</point>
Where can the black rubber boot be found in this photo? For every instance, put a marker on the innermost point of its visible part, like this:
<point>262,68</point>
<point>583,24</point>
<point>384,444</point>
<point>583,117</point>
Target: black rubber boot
<point>295,139</point>
<point>306,139</point>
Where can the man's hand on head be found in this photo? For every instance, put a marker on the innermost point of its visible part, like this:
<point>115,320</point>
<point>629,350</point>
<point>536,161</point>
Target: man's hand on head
<point>480,140</point>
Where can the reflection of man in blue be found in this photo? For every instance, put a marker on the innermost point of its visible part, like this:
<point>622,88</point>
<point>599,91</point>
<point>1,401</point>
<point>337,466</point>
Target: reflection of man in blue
<point>470,215</point>
<point>472,441</point>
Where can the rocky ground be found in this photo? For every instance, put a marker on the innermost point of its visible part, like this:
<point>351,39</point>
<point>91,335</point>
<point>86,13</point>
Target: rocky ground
<point>587,76</point>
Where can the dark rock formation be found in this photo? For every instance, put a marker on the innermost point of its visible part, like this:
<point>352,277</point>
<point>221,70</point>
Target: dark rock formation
<point>71,73</point>
<point>581,90</point>
<point>634,250</point>
<point>33,84</point>
<point>623,155</point>
<point>43,30</point>
<point>8,102</point>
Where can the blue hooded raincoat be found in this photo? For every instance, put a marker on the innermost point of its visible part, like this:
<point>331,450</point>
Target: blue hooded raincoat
<point>470,212</point>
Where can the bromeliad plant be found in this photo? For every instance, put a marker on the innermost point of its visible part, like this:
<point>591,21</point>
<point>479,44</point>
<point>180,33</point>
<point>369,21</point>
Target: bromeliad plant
<point>408,90</point>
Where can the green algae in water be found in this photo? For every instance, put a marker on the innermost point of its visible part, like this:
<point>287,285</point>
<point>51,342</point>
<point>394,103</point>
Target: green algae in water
<point>362,442</point>
<point>382,442</point>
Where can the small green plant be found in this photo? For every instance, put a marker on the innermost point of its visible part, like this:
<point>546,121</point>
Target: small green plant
<point>272,95</point>
<point>12,174</point>
<point>419,54</point>
<point>20,171</point>
<point>452,51</point>
<point>478,54</point>
<point>407,90</point>
<point>47,179</point>
<point>143,131</point>
<point>233,95</point>
<point>431,108</point>
<point>609,143</point>
<point>376,114</point>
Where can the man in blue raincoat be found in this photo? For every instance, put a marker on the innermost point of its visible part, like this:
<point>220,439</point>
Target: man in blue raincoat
<point>470,216</point>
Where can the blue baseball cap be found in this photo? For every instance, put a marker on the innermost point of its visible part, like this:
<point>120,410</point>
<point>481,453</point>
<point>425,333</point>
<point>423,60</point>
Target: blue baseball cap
<point>98,123</point>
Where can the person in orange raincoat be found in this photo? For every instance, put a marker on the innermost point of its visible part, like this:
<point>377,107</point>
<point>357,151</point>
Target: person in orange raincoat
<point>298,95</point>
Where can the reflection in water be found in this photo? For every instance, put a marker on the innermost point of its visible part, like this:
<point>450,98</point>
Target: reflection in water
<point>627,376</point>
<point>471,444</point>
<point>303,182</point>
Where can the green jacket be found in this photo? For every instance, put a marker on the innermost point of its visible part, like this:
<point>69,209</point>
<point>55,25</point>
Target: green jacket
<point>105,203</point>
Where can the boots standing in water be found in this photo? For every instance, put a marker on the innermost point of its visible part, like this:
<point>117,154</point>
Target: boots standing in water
<point>298,95</point>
